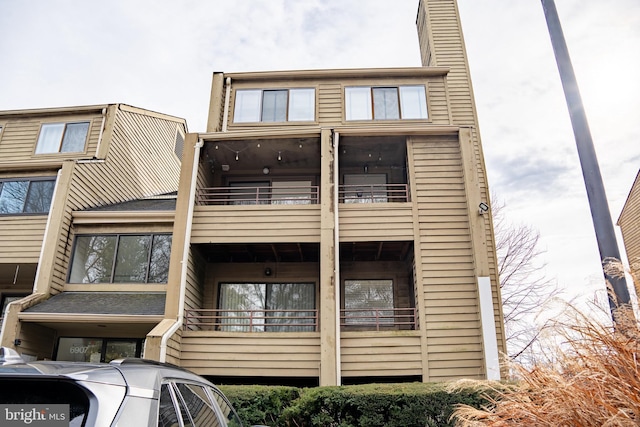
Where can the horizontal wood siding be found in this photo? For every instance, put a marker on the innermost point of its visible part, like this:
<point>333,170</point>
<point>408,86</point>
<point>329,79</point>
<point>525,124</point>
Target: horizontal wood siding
<point>446,48</point>
<point>194,285</point>
<point>330,98</point>
<point>21,238</point>
<point>629,223</point>
<point>19,137</point>
<point>36,340</point>
<point>380,354</point>
<point>173,348</point>
<point>273,223</point>
<point>376,221</point>
<point>140,162</point>
<point>330,103</point>
<point>251,354</point>
<point>445,257</point>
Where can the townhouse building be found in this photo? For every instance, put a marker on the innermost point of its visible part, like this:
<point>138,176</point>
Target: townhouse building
<point>60,168</point>
<point>629,223</point>
<point>328,227</point>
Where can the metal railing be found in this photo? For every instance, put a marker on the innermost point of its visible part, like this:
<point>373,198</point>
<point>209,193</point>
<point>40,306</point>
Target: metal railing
<point>281,195</point>
<point>296,320</point>
<point>373,193</point>
<point>379,318</point>
<point>252,320</point>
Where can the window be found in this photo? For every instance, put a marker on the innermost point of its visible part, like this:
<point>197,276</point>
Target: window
<point>270,307</point>
<point>62,138</point>
<point>26,196</point>
<point>95,350</point>
<point>115,258</point>
<point>368,302</point>
<point>385,103</point>
<point>281,105</point>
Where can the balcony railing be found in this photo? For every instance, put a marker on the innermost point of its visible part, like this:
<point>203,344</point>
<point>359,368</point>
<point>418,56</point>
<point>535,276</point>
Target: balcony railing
<point>280,195</point>
<point>252,320</point>
<point>373,193</point>
<point>296,320</point>
<point>378,319</point>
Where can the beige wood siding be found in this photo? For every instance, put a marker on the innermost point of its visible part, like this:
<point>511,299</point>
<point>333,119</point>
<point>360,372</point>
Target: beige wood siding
<point>251,354</point>
<point>262,223</point>
<point>629,223</point>
<point>445,258</point>
<point>330,98</point>
<point>140,162</point>
<point>194,285</point>
<point>330,103</point>
<point>364,222</point>
<point>445,47</point>
<point>36,340</point>
<point>19,137</point>
<point>21,238</point>
<point>380,353</point>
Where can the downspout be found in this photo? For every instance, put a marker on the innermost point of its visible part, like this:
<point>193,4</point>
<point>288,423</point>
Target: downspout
<point>336,252</point>
<point>185,254</point>
<point>104,117</point>
<point>227,99</point>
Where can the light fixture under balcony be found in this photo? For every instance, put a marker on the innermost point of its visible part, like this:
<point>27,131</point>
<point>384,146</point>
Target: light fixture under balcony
<point>266,170</point>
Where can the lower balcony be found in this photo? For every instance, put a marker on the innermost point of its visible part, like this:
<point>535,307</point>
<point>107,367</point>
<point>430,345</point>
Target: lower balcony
<point>367,319</point>
<point>277,343</point>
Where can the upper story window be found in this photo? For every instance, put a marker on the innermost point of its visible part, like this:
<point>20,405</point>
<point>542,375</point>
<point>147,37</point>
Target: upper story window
<point>385,103</point>
<point>121,258</point>
<point>62,138</point>
<point>281,105</point>
<point>26,196</point>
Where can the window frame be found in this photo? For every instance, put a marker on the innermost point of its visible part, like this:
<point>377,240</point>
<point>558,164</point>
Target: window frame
<point>62,138</point>
<point>367,106</point>
<point>265,325</point>
<point>258,110</point>
<point>357,322</point>
<point>30,180</point>
<point>114,261</point>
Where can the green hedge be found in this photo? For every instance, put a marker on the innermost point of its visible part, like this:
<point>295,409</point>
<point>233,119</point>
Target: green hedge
<point>371,405</point>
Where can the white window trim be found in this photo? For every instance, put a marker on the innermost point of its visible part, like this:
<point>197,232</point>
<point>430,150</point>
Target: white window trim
<point>254,112</point>
<point>369,106</point>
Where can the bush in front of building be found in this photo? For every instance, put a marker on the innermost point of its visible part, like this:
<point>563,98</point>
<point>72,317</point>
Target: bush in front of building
<point>260,405</point>
<point>370,405</point>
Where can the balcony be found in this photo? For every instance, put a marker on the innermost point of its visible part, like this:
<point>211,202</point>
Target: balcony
<point>373,193</point>
<point>370,319</point>
<point>252,320</point>
<point>281,194</point>
<point>378,319</point>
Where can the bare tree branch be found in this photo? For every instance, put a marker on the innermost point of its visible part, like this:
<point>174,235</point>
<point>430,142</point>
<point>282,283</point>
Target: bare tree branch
<point>524,287</point>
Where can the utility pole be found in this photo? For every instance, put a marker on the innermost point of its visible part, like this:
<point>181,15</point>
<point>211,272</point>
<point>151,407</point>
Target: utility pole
<point>600,214</point>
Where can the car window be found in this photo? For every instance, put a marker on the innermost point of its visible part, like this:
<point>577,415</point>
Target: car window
<point>167,416</point>
<point>198,405</point>
<point>186,418</point>
<point>21,391</point>
<point>227,410</point>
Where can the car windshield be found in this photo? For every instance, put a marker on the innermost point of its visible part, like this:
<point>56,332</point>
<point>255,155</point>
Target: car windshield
<point>24,392</point>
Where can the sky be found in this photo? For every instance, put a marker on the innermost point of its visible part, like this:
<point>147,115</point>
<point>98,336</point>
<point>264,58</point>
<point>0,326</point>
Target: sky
<point>160,55</point>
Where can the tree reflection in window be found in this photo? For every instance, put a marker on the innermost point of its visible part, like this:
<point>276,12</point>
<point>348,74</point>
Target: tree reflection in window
<point>121,259</point>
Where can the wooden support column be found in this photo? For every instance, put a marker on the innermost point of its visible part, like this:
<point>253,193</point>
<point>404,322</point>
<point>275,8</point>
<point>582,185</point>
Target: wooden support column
<point>329,325</point>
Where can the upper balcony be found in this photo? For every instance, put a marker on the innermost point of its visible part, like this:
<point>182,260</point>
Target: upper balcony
<point>270,190</point>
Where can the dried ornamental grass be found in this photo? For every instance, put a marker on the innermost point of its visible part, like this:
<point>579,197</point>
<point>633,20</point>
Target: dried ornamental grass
<point>593,380</point>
